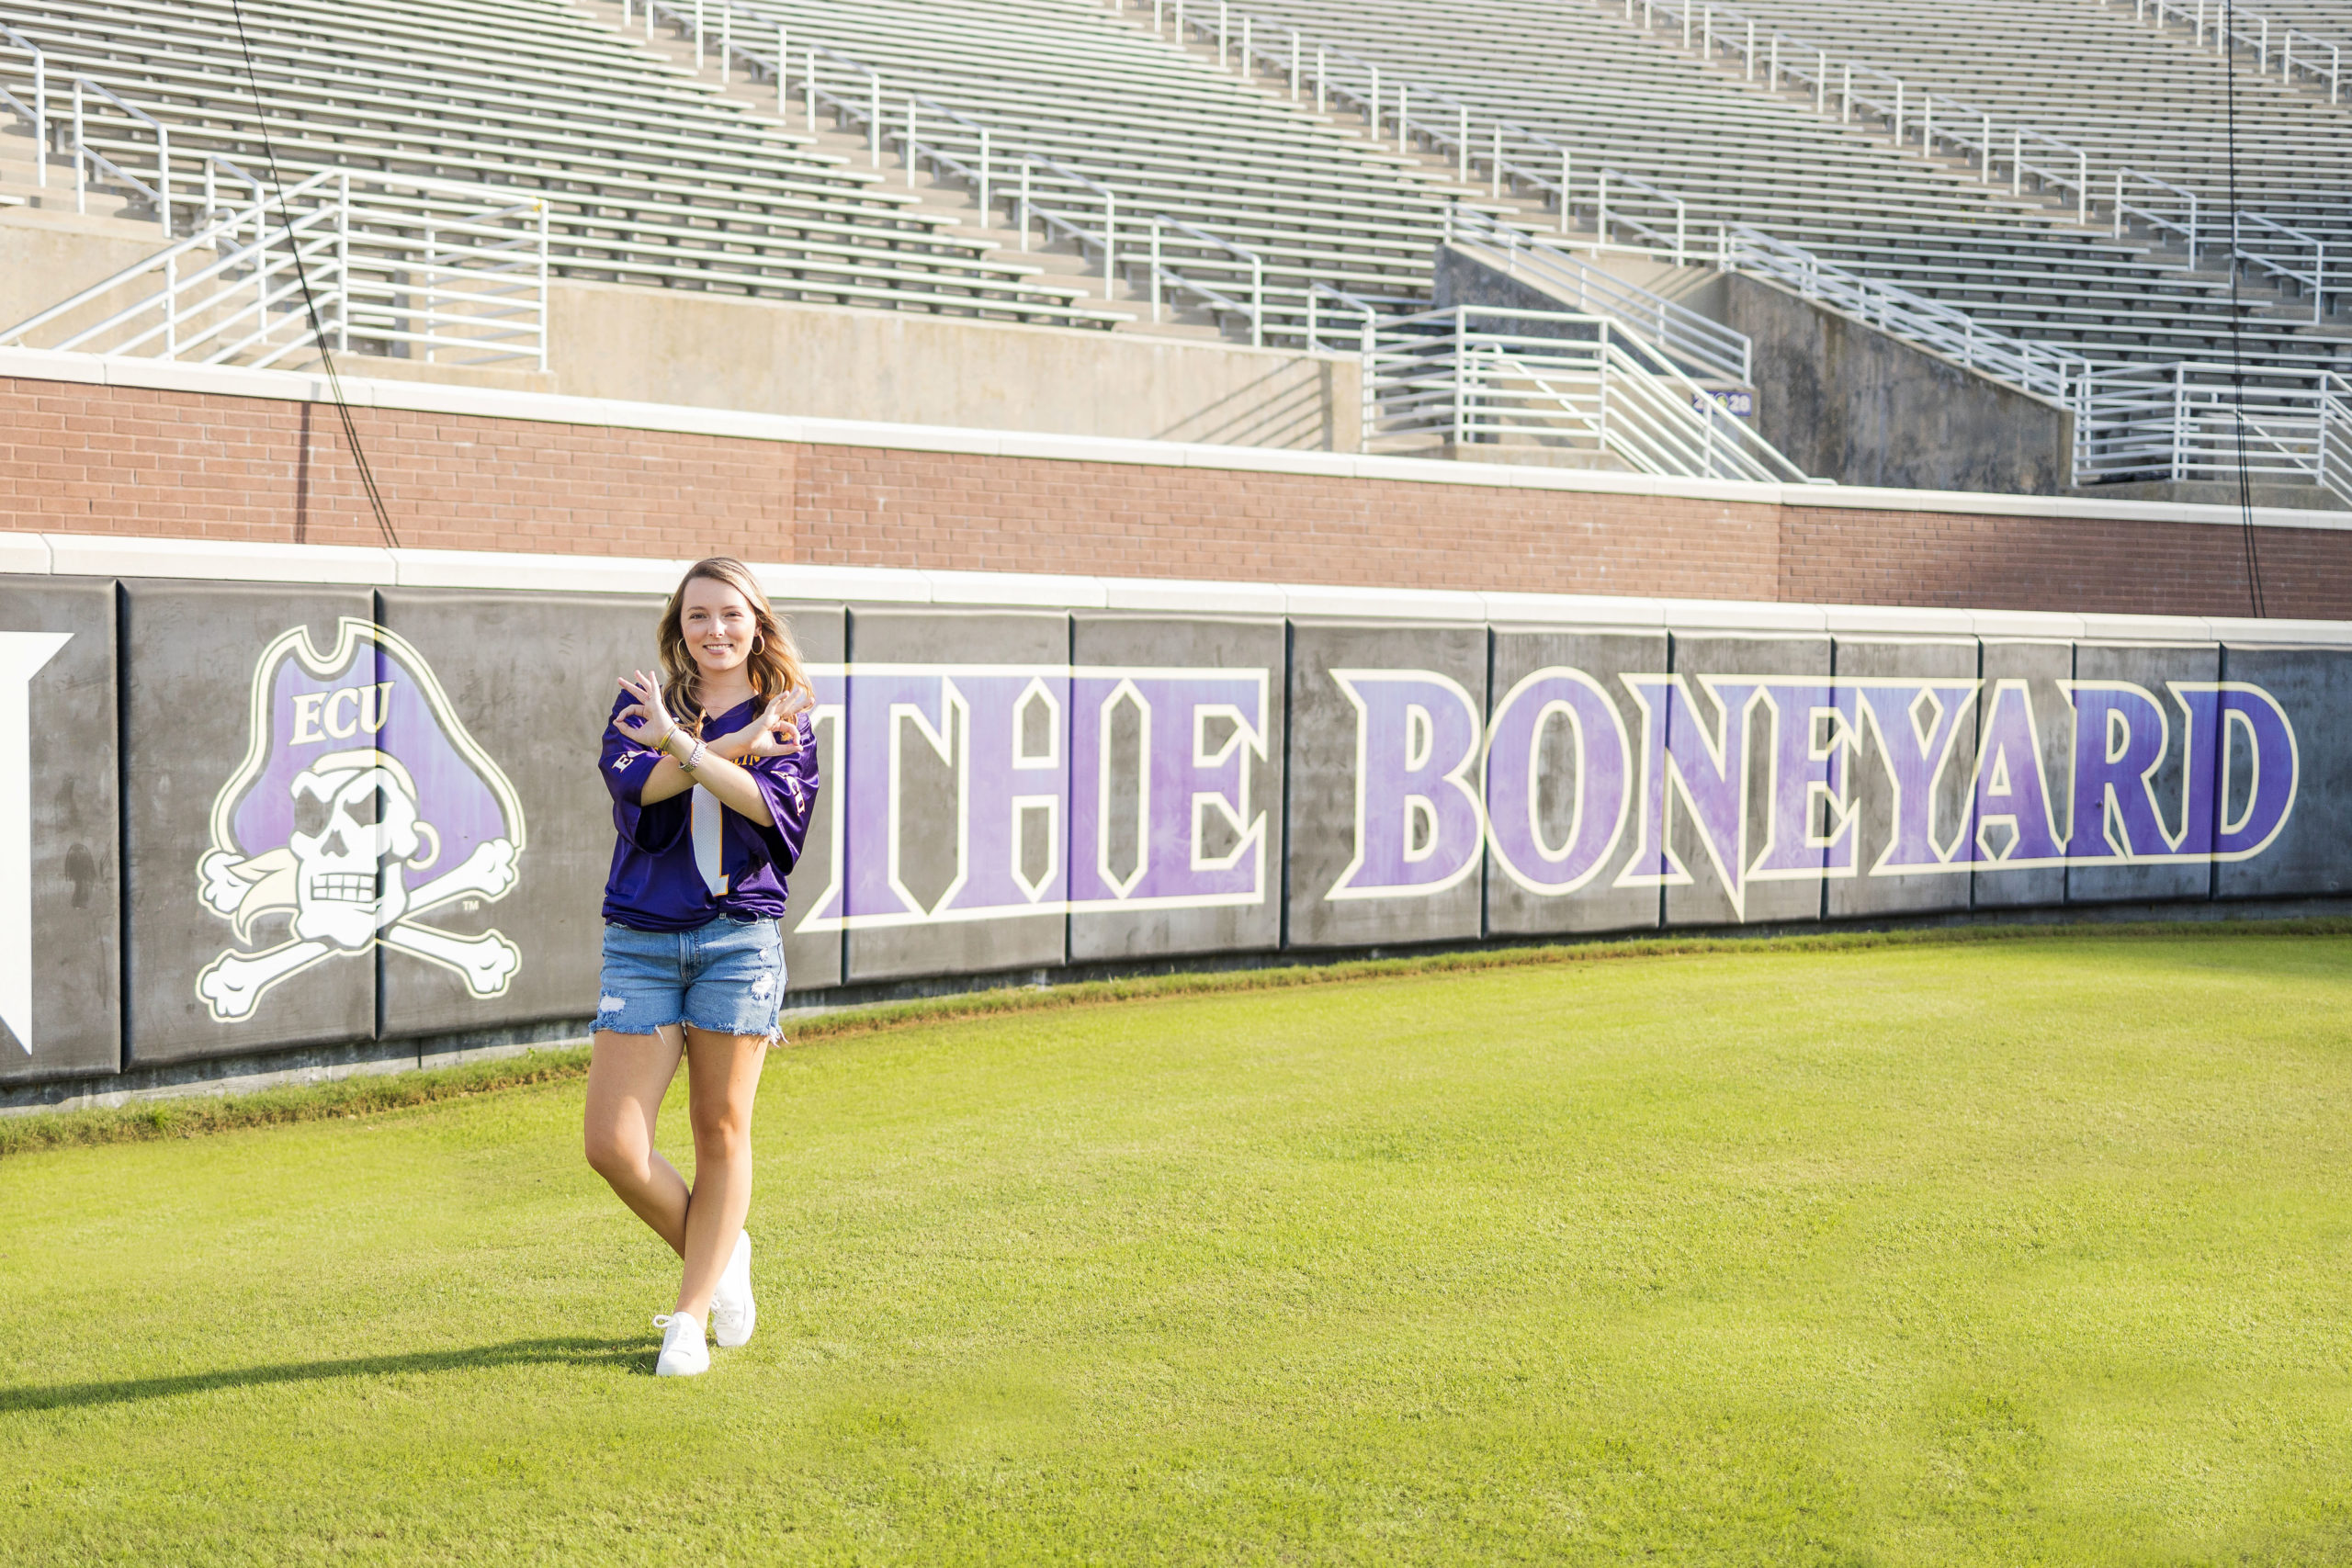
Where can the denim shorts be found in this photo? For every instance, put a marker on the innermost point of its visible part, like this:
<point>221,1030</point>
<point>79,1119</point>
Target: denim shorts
<point>726,977</point>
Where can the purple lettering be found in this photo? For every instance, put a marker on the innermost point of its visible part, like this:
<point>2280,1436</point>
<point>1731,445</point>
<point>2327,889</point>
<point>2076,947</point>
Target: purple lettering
<point>2009,786</point>
<point>1015,789</point>
<point>2120,736</point>
<point>2273,761</point>
<point>880,702</point>
<point>1813,742</point>
<point>1708,772</point>
<point>1915,757</point>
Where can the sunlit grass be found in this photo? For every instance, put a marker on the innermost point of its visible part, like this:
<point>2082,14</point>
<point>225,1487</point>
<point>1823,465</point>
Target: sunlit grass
<point>2014,1253</point>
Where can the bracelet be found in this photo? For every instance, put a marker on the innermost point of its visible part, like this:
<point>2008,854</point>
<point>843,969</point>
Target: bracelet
<point>693,758</point>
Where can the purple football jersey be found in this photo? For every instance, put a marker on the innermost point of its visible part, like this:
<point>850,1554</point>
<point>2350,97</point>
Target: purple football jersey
<point>659,883</point>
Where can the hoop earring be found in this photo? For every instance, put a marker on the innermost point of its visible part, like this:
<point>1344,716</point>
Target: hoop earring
<point>758,642</point>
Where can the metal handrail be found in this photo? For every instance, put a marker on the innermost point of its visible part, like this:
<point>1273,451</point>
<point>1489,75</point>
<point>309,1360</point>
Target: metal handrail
<point>2054,374</point>
<point>1941,118</point>
<point>2314,281</point>
<point>38,110</point>
<point>160,193</point>
<point>2194,420</point>
<point>1676,329</point>
<point>2254,31</point>
<point>2061,377</point>
<point>1454,371</point>
<point>2187,201</point>
<point>465,282</point>
<point>2335,441</point>
<point>1901,107</point>
<point>980,174</point>
<point>1256,309</point>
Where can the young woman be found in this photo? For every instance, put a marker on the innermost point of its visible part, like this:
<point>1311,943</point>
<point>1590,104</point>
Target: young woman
<point>713,774</point>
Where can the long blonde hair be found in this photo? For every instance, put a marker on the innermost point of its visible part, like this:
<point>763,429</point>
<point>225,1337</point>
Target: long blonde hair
<point>774,666</point>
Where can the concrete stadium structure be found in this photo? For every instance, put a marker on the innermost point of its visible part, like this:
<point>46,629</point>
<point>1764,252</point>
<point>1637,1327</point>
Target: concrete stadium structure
<point>1702,201</point>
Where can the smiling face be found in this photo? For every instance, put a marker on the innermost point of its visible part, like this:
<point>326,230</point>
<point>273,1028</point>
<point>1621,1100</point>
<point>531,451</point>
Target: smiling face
<point>719,627</point>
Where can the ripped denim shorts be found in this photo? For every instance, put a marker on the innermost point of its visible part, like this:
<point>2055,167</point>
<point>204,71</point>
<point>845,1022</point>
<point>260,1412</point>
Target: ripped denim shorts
<point>726,977</point>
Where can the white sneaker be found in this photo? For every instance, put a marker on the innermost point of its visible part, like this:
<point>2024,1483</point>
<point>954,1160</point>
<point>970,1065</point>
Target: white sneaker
<point>684,1354</point>
<point>734,1313</point>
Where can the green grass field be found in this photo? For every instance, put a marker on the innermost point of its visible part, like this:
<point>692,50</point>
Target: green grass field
<point>2001,1253</point>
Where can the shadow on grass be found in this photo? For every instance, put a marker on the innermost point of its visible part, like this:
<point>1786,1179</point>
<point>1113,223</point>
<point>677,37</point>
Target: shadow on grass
<point>631,1354</point>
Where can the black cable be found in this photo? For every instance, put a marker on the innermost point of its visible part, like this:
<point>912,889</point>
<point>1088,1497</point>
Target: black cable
<point>2237,344</point>
<point>310,305</point>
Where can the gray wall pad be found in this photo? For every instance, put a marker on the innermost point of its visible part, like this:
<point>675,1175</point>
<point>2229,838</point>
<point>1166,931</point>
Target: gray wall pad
<point>1732,684</point>
<point>61,956</point>
<point>1914,758</point>
<point>1552,694</point>
<point>2021,707</point>
<point>812,953</point>
<point>226,706</point>
<point>985,810</point>
<point>2111,682</point>
<point>915,844</point>
<point>2311,852</point>
<point>1384,852</point>
<point>1157,854</point>
<point>530,679</point>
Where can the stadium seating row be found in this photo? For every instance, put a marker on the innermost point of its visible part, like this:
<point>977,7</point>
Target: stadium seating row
<point>655,180</point>
<point>1591,84</point>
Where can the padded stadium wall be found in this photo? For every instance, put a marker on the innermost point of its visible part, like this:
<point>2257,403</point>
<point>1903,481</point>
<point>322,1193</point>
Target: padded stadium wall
<point>213,755</point>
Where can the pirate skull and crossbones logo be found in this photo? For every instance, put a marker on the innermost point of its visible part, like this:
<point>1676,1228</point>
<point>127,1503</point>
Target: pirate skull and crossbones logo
<point>356,831</point>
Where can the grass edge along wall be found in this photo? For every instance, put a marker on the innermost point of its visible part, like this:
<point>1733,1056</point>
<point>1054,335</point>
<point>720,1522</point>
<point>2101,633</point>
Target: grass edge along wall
<point>354,813</point>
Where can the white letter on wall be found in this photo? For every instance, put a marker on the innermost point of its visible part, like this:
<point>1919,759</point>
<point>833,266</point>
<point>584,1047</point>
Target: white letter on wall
<point>22,654</point>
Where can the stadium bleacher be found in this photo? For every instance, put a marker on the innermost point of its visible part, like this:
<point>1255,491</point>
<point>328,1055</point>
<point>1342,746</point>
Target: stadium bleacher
<point>2127,92</point>
<point>1257,201</point>
<point>1587,82</point>
<point>2037,190</point>
<point>652,179</point>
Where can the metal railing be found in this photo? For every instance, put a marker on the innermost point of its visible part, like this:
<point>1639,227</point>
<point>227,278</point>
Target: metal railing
<point>445,272</point>
<point>14,42</point>
<point>2294,255</point>
<point>86,156</point>
<point>1695,341</point>
<point>1474,374</point>
<point>2303,436</point>
<point>1046,195</point>
<point>2029,155</point>
<point>2055,374</point>
<point>2335,436</point>
<point>2254,33</point>
<point>1240,258</point>
<point>85,152</point>
<point>2186,423</point>
<point>2303,433</point>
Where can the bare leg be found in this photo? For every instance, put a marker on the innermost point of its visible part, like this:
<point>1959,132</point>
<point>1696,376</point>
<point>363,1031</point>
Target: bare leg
<point>628,1075</point>
<point>722,1077</point>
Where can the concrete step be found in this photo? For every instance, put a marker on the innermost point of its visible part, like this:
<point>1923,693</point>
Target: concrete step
<point>19,180</point>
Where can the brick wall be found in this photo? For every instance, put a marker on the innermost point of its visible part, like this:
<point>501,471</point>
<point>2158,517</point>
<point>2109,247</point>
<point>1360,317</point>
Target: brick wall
<point>114,460</point>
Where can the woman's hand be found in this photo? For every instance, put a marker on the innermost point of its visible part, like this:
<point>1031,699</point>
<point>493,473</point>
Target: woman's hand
<point>645,721</point>
<point>772,732</point>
